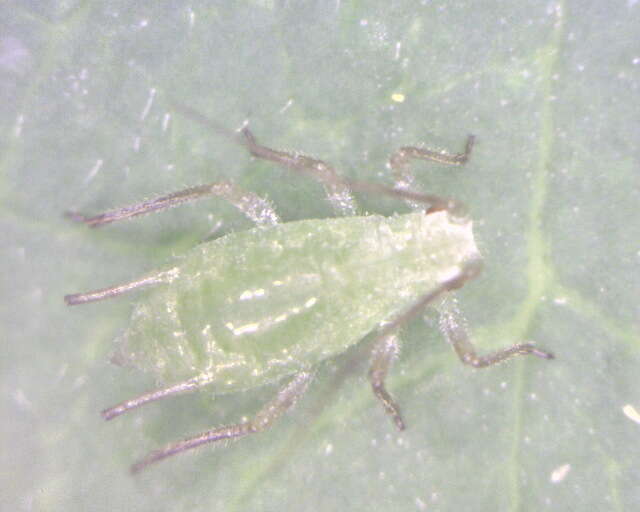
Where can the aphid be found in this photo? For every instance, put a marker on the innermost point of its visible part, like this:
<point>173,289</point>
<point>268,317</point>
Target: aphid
<point>270,303</point>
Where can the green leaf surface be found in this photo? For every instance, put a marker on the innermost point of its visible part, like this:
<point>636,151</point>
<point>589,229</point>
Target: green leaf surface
<point>550,89</point>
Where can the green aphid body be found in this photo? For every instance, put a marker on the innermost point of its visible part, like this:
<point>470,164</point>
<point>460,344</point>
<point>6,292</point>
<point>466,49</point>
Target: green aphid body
<point>255,306</point>
<point>271,303</point>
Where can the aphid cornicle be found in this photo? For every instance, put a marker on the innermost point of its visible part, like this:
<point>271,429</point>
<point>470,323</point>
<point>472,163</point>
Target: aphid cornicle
<point>270,303</point>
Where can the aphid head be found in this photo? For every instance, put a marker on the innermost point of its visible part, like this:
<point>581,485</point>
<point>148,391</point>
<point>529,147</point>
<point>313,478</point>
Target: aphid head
<point>470,270</point>
<point>458,213</point>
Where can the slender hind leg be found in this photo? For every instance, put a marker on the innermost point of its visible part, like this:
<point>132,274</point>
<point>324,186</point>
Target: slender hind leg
<point>254,207</point>
<point>454,330</point>
<point>152,396</point>
<point>400,163</point>
<point>113,291</point>
<point>283,401</point>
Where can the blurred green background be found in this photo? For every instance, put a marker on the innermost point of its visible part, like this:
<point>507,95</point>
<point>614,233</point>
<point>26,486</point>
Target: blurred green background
<point>552,92</point>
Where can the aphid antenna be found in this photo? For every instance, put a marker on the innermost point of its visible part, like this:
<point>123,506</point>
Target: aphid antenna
<point>199,117</point>
<point>320,171</point>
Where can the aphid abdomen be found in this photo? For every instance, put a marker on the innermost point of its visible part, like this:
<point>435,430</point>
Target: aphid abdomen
<point>255,306</point>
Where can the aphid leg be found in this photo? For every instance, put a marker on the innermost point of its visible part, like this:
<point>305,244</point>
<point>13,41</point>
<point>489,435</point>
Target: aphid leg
<point>113,291</point>
<point>338,192</point>
<point>384,352</point>
<point>454,328</point>
<point>386,344</point>
<point>400,163</point>
<point>284,400</point>
<point>134,403</point>
<point>400,160</point>
<point>434,202</point>
<point>257,209</point>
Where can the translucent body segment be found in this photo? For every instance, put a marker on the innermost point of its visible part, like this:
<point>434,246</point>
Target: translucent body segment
<point>401,159</point>
<point>243,302</point>
<point>283,401</point>
<point>257,209</point>
<point>454,327</point>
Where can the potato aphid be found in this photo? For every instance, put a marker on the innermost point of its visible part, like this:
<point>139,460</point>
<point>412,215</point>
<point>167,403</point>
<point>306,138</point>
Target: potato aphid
<point>270,303</point>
